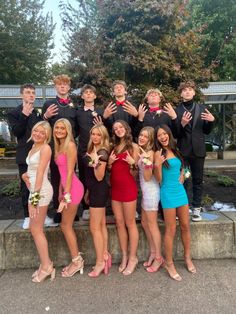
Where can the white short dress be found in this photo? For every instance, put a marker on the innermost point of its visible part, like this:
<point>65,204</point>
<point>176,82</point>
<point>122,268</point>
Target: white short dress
<point>46,191</point>
<point>150,190</point>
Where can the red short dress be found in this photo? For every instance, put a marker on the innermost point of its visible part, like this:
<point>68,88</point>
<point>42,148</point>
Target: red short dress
<point>123,185</point>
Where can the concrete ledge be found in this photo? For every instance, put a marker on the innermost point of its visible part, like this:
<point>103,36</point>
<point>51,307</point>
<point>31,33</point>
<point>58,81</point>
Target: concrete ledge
<point>210,239</point>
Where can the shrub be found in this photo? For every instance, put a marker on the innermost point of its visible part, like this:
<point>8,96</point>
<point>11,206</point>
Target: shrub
<point>225,181</point>
<point>212,174</point>
<point>12,189</point>
<point>207,200</point>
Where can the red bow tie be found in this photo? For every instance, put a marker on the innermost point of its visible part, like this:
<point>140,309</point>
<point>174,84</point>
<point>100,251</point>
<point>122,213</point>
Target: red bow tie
<point>120,103</point>
<point>154,109</point>
<point>64,101</point>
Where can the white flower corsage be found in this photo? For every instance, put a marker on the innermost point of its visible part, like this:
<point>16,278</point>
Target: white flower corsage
<point>71,105</point>
<point>94,114</point>
<point>158,112</point>
<point>187,173</point>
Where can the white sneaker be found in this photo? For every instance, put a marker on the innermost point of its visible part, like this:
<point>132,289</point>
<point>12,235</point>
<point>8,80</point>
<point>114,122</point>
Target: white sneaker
<point>196,214</point>
<point>26,223</point>
<point>48,222</point>
<point>86,214</point>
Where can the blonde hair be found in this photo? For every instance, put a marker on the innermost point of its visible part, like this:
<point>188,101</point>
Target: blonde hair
<point>63,78</point>
<point>153,90</point>
<point>47,128</point>
<point>105,140</point>
<point>150,144</point>
<point>69,137</point>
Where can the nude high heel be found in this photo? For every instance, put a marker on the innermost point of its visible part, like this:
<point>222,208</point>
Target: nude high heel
<point>79,262</point>
<point>45,274</point>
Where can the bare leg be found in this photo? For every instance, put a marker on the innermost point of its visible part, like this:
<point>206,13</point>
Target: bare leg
<point>130,221</point>
<point>68,216</point>
<point>183,214</point>
<point>117,208</point>
<point>96,228</point>
<point>36,229</point>
<point>152,249</point>
<point>170,230</point>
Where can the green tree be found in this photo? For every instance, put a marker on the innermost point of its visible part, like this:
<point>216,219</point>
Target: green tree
<point>25,41</point>
<point>142,42</point>
<point>215,19</point>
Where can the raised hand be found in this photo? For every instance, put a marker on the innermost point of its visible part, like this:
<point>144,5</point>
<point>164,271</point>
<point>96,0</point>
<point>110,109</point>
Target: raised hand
<point>129,159</point>
<point>207,116</point>
<point>159,158</point>
<point>27,108</point>
<point>142,109</point>
<point>170,111</point>
<point>186,118</point>
<point>95,158</point>
<point>97,120</point>
<point>130,109</point>
<point>112,158</point>
<point>109,110</point>
<point>51,111</point>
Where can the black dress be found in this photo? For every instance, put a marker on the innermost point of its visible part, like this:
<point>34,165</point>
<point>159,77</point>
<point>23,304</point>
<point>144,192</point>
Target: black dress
<point>98,190</point>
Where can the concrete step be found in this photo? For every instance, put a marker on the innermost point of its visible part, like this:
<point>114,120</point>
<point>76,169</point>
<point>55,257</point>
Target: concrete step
<point>210,239</point>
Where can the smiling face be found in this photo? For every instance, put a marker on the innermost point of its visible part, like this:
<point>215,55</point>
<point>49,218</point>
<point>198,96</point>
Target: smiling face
<point>60,130</point>
<point>163,137</point>
<point>187,94</point>
<point>96,137</point>
<point>39,135</point>
<point>143,138</point>
<point>119,129</point>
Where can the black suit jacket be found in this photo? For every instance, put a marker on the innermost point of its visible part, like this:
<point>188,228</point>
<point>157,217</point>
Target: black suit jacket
<point>21,126</point>
<point>191,139</point>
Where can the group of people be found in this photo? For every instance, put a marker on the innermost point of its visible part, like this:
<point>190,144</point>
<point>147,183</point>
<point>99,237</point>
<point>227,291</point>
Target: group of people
<point>155,141</point>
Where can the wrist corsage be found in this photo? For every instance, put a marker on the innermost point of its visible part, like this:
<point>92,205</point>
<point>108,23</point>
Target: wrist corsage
<point>187,173</point>
<point>34,198</point>
<point>147,163</point>
<point>94,163</point>
<point>67,198</point>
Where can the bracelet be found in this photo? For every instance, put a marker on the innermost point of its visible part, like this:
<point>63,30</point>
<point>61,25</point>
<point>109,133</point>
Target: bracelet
<point>34,198</point>
<point>67,197</point>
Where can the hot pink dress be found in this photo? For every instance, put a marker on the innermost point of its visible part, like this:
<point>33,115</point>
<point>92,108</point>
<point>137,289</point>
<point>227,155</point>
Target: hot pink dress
<point>77,188</point>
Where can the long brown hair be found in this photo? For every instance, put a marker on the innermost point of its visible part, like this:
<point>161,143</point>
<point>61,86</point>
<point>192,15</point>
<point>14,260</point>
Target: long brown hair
<point>172,144</point>
<point>128,139</point>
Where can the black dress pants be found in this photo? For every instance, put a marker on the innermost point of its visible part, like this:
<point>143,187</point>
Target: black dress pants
<point>23,189</point>
<point>196,165</point>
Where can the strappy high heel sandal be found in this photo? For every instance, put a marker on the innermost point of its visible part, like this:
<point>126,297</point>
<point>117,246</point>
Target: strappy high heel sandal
<point>95,274</point>
<point>191,268</point>
<point>78,262</point>
<point>41,274</point>
<point>150,259</point>
<point>123,264</point>
<point>36,272</point>
<point>154,269</point>
<point>176,276</point>
<point>130,269</point>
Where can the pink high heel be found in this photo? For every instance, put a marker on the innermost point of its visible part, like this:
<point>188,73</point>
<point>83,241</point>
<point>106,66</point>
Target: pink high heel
<point>105,269</point>
<point>108,259</point>
<point>152,269</point>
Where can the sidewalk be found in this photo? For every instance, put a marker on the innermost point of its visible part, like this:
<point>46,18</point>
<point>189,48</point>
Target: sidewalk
<point>211,291</point>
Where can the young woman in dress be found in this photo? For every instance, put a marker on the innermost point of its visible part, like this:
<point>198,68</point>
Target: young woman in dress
<point>122,162</point>
<point>71,191</point>
<point>150,199</point>
<point>97,195</point>
<point>170,174</point>
<point>36,179</point>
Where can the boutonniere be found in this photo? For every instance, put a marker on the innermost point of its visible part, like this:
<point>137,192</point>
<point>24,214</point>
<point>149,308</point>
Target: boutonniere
<point>158,112</point>
<point>94,114</point>
<point>71,105</point>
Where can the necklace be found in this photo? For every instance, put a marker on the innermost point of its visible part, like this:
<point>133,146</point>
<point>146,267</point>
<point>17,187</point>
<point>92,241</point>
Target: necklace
<point>191,109</point>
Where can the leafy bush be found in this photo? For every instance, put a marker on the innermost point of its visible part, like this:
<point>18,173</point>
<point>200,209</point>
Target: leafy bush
<point>12,189</point>
<point>207,200</point>
<point>225,181</point>
<point>212,174</point>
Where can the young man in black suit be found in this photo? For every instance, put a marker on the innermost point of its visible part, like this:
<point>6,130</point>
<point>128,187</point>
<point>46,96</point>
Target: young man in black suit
<point>21,120</point>
<point>195,122</point>
<point>59,107</point>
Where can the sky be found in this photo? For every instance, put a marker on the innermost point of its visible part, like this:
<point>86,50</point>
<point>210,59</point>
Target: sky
<point>52,6</point>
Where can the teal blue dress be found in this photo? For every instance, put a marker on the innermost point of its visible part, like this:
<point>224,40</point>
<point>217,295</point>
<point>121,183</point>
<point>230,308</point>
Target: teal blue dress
<point>173,193</point>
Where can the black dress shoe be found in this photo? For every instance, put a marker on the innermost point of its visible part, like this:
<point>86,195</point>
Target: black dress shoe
<point>57,218</point>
